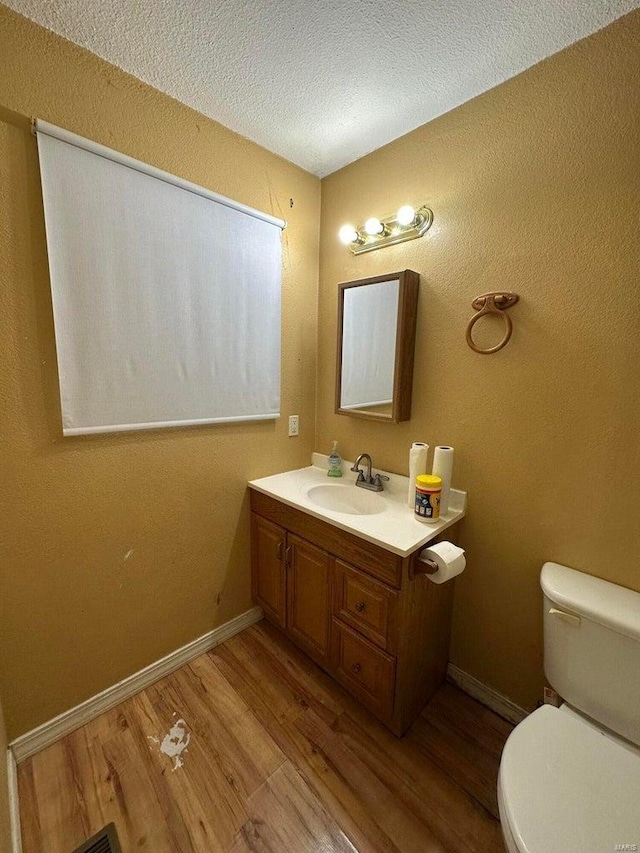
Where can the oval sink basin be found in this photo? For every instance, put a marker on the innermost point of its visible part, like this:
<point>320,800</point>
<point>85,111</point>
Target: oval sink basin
<point>339,497</point>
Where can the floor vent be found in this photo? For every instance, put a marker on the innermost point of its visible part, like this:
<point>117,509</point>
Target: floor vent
<point>105,841</point>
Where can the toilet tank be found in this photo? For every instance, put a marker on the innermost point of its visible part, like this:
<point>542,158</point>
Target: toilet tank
<point>592,647</point>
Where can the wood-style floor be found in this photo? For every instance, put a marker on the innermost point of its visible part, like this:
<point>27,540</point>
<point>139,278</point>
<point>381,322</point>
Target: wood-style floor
<point>280,759</point>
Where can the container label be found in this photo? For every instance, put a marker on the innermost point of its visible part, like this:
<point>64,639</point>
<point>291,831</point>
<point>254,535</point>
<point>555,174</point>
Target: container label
<point>427,504</point>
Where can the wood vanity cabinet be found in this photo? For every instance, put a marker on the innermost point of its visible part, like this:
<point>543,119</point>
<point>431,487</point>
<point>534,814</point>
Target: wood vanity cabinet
<point>356,609</point>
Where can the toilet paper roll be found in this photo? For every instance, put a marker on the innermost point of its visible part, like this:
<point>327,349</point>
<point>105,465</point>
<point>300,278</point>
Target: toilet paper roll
<point>417,465</point>
<point>449,559</point>
<point>443,468</point>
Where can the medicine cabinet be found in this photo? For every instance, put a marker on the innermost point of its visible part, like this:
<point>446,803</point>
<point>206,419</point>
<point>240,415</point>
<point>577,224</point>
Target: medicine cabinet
<point>376,341</point>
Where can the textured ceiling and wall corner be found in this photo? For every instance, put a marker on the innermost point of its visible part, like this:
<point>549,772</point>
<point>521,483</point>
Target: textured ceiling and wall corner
<point>324,83</point>
<point>535,188</point>
<point>116,550</point>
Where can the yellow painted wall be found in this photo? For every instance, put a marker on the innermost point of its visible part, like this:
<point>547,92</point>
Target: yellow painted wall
<point>535,187</point>
<point>77,615</point>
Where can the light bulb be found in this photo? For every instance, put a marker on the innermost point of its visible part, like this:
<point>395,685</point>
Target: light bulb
<point>373,226</point>
<point>406,215</point>
<point>348,234</point>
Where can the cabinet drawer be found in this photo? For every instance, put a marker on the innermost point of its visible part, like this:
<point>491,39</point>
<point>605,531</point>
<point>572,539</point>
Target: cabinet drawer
<point>366,605</point>
<point>366,671</point>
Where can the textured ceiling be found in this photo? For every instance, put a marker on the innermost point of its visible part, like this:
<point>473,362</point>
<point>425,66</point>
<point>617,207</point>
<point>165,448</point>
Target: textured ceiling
<point>322,83</point>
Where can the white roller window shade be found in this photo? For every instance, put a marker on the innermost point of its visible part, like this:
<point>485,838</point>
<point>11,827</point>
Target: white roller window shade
<point>166,297</point>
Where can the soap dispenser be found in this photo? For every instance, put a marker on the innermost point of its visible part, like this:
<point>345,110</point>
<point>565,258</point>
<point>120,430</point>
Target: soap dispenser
<point>335,462</point>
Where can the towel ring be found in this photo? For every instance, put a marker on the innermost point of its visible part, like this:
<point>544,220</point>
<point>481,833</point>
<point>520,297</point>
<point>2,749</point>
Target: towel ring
<point>492,303</point>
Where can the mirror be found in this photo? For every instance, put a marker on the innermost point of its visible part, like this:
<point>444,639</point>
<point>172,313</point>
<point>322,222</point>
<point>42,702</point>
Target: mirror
<point>376,338</point>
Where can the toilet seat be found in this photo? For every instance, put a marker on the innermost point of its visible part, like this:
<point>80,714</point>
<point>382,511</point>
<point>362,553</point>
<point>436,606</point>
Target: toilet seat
<point>564,785</point>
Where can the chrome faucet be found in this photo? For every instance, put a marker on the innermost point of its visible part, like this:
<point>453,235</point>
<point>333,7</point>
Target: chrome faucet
<point>366,481</point>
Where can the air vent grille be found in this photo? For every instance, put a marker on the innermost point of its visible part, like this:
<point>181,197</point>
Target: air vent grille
<point>105,841</point>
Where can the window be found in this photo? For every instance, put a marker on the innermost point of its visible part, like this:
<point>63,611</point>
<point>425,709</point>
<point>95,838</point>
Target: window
<point>166,296</point>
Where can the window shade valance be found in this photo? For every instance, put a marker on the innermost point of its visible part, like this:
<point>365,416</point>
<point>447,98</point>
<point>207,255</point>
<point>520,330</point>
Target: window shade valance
<point>166,296</point>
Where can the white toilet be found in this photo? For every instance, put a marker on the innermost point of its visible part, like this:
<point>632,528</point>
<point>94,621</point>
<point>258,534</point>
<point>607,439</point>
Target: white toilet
<point>569,777</point>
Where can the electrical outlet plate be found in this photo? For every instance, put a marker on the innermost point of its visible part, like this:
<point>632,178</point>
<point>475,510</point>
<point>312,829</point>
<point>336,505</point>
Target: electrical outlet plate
<point>294,425</point>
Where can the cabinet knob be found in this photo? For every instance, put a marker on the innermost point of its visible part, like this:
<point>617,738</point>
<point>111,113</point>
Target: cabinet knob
<point>360,606</point>
<point>356,668</point>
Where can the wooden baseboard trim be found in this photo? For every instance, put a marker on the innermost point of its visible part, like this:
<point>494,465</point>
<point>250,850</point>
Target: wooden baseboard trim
<point>51,731</point>
<point>487,695</point>
<point>14,806</point>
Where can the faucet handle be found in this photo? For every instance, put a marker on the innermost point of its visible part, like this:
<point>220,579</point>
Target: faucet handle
<point>379,477</point>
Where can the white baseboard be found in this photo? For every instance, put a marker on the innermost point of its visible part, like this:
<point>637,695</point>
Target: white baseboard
<point>485,694</point>
<point>51,731</point>
<point>14,807</point>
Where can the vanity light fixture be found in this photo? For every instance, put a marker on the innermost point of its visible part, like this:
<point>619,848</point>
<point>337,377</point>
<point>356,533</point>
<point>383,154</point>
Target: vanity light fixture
<point>406,224</point>
<point>348,234</point>
<point>373,227</point>
<point>406,215</point>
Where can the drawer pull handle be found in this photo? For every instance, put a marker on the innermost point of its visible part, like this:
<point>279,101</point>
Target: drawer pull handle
<point>356,668</point>
<point>279,550</point>
<point>360,606</point>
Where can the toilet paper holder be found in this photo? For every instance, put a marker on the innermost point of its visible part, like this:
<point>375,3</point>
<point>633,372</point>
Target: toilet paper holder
<point>441,562</point>
<point>422,567</point>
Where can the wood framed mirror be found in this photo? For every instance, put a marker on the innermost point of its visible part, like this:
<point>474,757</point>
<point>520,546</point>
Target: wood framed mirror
<point>376,342</point>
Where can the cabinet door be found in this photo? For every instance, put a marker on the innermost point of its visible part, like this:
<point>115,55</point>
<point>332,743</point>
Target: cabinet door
<point>268,573</point>
<point>308,605</point>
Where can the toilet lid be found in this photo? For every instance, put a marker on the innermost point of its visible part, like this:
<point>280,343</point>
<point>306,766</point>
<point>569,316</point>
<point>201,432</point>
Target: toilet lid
<point>567,787</point>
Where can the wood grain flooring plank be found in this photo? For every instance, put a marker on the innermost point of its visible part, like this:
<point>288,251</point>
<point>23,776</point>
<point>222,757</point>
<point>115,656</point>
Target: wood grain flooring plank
<point>280,759</point>
<point>128,796</point>
<point>61,813</point>
<point>197,799</point>
<point>335,793</point>
<point>212,741</point>
<point>287,817</point>
<point>90,772</point>
<point>230,724</point>
<point>116,785</point>
<point>29,817</point>
<point>301,684</point>
<point>103,792</point>
<point>450,812</point>
<point>391,816</point>
<point>465,740</point>
<point>470,718</point>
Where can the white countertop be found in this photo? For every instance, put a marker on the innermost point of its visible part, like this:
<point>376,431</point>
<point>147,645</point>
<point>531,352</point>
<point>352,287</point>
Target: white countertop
<point>393,526</point>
